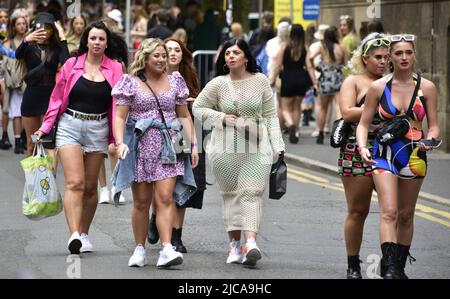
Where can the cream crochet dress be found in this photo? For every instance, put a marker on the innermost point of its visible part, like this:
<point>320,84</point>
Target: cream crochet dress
<point>240,167</point>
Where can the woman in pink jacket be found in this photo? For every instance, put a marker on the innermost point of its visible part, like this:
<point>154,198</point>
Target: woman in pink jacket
<point>82,105</point>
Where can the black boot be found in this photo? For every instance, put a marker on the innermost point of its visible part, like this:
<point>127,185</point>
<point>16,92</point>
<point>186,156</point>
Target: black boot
<point>18,149</point>
<point>4,143</point>
<point>23,139</point>
<point>292,137</point>
<point>305,118</point>
<point>153,234</point>
<point>320,138</point>
<point>354,268</point>
<point>390,257</point>
<point>176,240</point>
<point>403,254</point>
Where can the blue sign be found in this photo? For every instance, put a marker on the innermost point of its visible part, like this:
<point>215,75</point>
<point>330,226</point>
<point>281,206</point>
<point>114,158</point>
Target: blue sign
<point>311,10</point>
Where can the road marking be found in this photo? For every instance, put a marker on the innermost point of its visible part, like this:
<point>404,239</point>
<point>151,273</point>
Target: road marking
<point>432,218</point>
<point>423,210</point>
<point>308,175</point>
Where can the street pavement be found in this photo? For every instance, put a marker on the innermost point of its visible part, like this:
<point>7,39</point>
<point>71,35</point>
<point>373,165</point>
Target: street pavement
<point>301,235</point>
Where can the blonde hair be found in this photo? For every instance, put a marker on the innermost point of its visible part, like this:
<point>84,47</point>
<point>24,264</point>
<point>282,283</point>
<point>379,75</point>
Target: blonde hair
<point>357,65</point>
<point>145,49</point>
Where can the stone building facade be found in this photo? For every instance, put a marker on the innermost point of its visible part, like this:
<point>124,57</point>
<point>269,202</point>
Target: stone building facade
<point>429,20</point>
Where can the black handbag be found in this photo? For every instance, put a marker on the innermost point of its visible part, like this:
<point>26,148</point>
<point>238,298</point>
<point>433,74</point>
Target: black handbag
<point>278,179</point>
<point>341,130</point>
<point>398,126</point>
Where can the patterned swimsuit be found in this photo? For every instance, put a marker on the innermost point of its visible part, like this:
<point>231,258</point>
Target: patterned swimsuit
<point>402,157</point>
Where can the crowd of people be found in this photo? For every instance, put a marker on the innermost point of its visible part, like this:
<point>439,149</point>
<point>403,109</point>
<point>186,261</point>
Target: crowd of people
<point>153,115</point>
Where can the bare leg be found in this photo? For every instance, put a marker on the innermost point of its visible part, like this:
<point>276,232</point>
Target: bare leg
<point>407,200</point>
<point>142,199</point>
<point>92,164</point>
<point>164,209</point>
<point>387,189</point>
<point>73,165</point>
<point>358,192</point>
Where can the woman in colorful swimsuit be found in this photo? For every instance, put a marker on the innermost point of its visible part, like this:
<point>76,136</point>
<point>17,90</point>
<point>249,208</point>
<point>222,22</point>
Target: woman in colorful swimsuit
<point>399,167</point>
<point>368,64</point>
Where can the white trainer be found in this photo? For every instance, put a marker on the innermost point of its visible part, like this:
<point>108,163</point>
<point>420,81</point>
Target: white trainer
<point>315,133</point>
<point>234,253</point>
<point>251,254</point>
<point>169,257</point>
<point>86,243</point>
<point>138,259</point>
<point>74,243</point>
<point>104,195</point>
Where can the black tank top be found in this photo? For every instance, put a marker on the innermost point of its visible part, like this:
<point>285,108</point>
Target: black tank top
<point>90,97</point>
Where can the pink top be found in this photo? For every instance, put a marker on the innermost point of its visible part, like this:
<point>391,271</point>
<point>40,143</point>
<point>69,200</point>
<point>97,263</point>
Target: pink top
<point>71,71</point>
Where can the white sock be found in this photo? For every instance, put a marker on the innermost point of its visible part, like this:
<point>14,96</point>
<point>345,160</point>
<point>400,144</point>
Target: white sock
<point>251,240</point>
<point>235,244</point>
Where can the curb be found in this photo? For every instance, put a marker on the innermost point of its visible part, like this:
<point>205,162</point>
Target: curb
<point>332,170</point>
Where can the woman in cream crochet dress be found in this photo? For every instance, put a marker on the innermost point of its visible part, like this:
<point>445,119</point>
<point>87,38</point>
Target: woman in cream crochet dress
<point>240,97</point>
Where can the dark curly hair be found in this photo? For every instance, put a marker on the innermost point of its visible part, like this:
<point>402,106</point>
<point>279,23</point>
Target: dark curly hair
<point>252,66</point>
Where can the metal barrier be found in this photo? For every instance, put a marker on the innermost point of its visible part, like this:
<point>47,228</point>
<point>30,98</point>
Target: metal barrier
<point>206,67</point>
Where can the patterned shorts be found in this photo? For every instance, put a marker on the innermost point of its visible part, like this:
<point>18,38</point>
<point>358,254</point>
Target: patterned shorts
<point>350,163</point>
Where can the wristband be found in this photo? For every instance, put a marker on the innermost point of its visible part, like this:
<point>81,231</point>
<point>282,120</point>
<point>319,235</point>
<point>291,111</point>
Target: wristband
<point>194,145</point>
<point>25,40</point>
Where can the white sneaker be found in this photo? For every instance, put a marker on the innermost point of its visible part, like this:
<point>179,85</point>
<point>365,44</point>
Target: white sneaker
<point>104,195</point>
<point>251,254</point>
<point>86,243</point>
<point>138,259</point>
<point>74,243</point>
<point>315,133</point>
<point>234,253</point>
<point>169,257</point>
<point>121,197</point>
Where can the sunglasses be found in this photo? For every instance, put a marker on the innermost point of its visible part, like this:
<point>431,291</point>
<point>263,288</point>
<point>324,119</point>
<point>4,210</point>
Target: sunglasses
<point>405,37</point>
<point>378,42</point>
<point>345,17</point>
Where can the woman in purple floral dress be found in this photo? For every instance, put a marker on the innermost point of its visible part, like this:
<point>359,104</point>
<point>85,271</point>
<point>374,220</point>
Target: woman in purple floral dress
<point>152,178</point>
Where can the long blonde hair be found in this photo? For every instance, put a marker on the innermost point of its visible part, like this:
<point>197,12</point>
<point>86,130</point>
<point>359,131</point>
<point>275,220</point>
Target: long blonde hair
<point>145,49</point>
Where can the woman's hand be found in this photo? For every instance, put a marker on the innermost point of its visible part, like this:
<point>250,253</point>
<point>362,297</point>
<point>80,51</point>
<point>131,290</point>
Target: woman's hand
<point>423,147</point>
<point>61,34</point>
<point>366,156</point>
<point>194,157</point>
<point>39,134</point>
<point>37,36</point>
<point>122,151</point>
<point>230,120</point>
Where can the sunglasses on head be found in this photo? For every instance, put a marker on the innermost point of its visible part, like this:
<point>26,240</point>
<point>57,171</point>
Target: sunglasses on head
<point>377,42</point>
<point>345,17</point>
<point>405,37</point>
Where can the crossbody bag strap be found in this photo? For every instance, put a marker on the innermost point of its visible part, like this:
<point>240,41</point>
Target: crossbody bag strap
<point>144,79</point>
<point>413,99</point>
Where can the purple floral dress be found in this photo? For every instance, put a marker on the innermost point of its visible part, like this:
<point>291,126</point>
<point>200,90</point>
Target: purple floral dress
<point>128,92</point>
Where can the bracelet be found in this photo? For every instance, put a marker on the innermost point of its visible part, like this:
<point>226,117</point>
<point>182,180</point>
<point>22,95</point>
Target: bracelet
<point>25,40</point>
<point>360,148</point>
<point>194,145</point>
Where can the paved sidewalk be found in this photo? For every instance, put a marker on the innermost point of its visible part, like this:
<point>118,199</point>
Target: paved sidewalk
<point>308,154</point>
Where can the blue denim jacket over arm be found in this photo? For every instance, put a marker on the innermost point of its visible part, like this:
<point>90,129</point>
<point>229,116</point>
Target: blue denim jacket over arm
<point>124,173</point>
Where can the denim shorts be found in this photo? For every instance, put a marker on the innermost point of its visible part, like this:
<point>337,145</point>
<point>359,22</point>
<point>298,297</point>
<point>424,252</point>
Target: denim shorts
<point>91,135</point>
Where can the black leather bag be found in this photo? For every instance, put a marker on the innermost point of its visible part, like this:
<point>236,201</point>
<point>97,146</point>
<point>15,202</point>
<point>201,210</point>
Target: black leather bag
<point>35,75</point>
<point>392,130</point>
<point>398,126</point>
<point>278,179</point>
<point>340,132</point>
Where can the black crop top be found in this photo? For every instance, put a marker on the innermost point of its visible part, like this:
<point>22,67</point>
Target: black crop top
<point>90,97</point>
